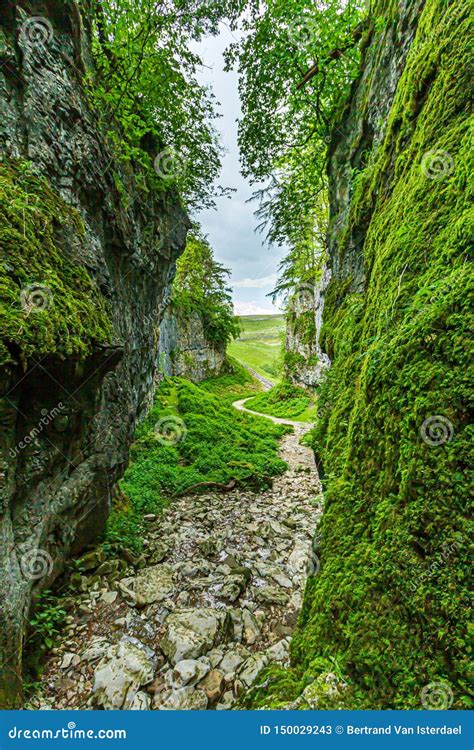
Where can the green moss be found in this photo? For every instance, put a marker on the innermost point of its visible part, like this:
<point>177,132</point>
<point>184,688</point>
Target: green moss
<point>284,684</point>
<point>390,602</point>
<point>49,304</point>
<point>293,360</point>
<point>303,326</point>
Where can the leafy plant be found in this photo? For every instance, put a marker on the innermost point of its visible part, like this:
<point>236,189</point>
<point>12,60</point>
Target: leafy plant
<point>285,400</point>
<point>200,287</point>
<point>147,82</point>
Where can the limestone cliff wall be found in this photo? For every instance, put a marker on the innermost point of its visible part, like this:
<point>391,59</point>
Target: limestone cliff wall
<point>185,350</point>
<point>305,363</point>
<point>68,410</point>
<point>389,603</point>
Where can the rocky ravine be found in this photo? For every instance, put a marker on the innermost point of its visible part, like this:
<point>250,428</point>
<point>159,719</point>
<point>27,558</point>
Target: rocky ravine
<point>215,600</point>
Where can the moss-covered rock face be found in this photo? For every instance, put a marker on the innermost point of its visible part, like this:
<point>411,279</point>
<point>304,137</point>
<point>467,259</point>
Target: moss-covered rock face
<point>87,252</point>
<point>48,303</point>
<point>390,604</point>
<point>185,348</point>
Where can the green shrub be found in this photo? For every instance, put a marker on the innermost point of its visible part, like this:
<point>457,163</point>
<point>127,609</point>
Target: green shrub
<point>284,400</point>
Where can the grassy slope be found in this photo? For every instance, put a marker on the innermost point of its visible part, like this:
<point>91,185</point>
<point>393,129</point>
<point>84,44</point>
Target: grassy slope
<point>260,344</point>
<point>209,441</point>
<point>286,401</point>
<point>390,607</point>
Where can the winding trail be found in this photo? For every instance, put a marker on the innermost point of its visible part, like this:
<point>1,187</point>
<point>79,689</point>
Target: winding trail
<point>213,600</point>
<point>267,384</point>
<point>301,428</point>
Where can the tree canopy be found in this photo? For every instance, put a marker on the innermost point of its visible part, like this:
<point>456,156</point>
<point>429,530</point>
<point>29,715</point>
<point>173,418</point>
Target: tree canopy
<point>200,286</point>
<point>296,61</point>
<point>147,82</point>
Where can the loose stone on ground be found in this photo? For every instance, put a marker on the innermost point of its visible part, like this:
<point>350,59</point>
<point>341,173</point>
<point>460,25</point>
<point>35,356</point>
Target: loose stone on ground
<point>194,623</point>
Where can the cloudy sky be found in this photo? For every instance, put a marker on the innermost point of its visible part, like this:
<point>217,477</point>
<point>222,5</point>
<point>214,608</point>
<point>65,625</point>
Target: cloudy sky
<point>231,229</point>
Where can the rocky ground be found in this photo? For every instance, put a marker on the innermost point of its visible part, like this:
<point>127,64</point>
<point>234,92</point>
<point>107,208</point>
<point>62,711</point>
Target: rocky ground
<point>213,600</point>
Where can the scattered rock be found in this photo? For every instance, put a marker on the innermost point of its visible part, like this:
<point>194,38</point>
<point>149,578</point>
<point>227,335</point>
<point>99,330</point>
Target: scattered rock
<point>188,672</point>
<point>279,651</point>
<point>271,595</point>
<point>182,699</point>
<point>191,633</point>
<point>96,650</point>
<point>159,552</point>
<point>141,702</point>
<point>226,702</point>
<point>70,660</point>
<point>92,560</point>
<point>109,597</point>
<point>208,547</point>
<point>213,685</point>
<point>117,679</point>
<point>215,656</point>
<point>201,554</point>
<point>153,584</point>
<point>250,669</point>
<point>233,659</point>
<point>251,627</point>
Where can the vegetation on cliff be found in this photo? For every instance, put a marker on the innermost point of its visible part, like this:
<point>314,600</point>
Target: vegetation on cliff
<point>49,304</point>
<point>200,287</point>
<point>286,401</point>
<point>286,124</point>
<point>146,81</point>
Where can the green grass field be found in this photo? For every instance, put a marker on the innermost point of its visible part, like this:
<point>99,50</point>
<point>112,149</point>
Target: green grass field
<point>286,401</point>
<point>260,343</point>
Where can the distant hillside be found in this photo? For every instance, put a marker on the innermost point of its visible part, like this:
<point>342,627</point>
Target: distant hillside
<point>259,345</point>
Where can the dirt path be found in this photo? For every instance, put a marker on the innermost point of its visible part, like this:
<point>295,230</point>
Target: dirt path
<point>267,384</point>
<point>301,428</point>
<point>214,599</point>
